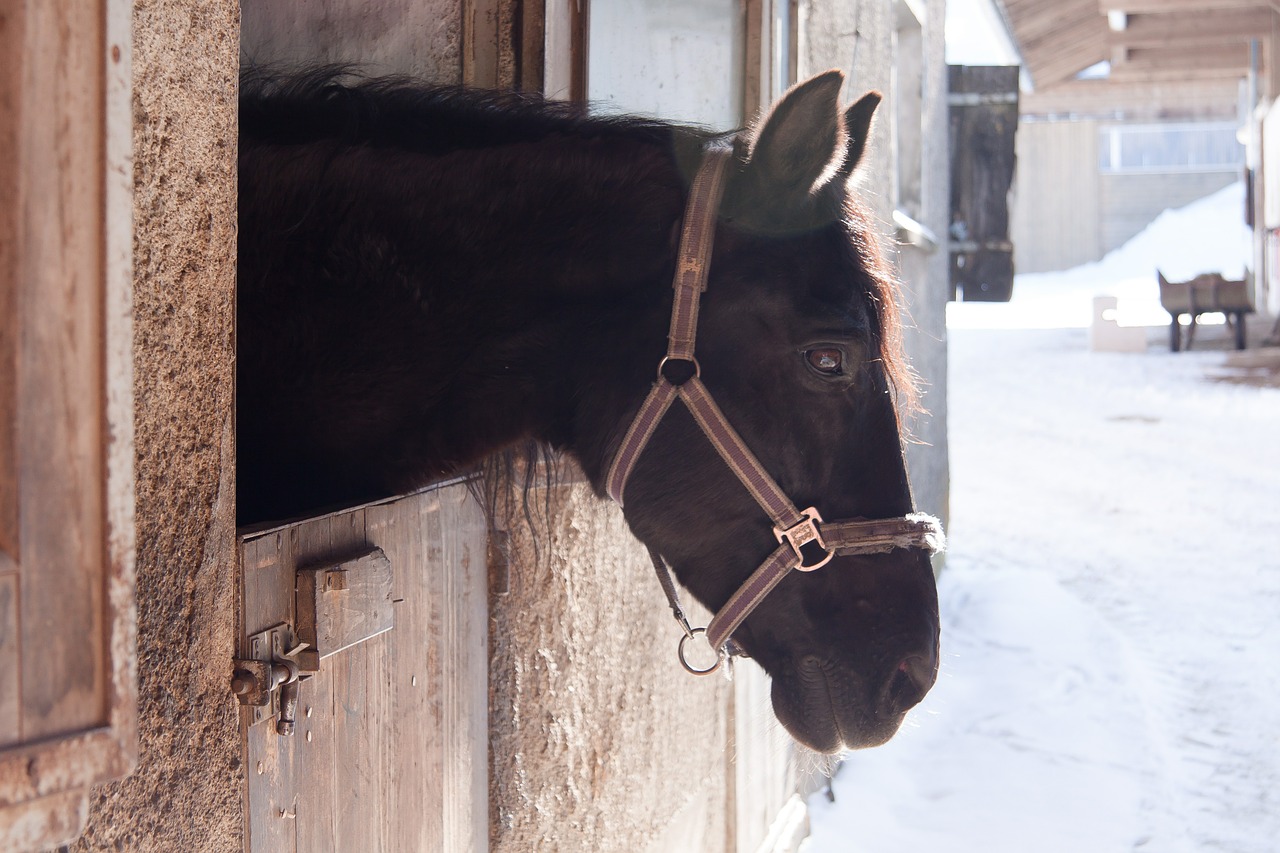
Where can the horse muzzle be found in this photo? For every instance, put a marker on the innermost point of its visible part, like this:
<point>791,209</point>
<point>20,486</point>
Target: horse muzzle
<point>830,708</point>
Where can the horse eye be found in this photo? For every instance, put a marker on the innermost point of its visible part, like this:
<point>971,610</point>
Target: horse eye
<point>828,360</point>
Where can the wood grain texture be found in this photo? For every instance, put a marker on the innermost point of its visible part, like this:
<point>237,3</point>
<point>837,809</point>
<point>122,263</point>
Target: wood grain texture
<point>397,754</point>
<point>59,372</point>
<point>312,745</point>
<point>342,604</point>
<point>67,693</point>
<point>11,29</point>
<point>10,730</point>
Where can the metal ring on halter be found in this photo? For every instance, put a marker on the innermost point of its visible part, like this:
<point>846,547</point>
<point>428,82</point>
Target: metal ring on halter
<point>690,667</point>
<point>697,368</point>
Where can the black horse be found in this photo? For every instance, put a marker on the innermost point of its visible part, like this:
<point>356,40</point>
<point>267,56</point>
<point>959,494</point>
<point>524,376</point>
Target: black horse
<point>428,276</point>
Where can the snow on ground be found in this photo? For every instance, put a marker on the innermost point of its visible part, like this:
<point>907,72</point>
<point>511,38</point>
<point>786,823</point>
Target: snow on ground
<point>1110,675</point>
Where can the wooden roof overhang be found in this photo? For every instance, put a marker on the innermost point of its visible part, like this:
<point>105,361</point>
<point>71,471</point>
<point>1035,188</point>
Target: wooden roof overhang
<point>1144,40</point>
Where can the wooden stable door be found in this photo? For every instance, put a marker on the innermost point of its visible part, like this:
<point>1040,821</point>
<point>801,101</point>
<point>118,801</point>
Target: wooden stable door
<point>983,115</point>
<point>67,716</point>
<point>383,609</point>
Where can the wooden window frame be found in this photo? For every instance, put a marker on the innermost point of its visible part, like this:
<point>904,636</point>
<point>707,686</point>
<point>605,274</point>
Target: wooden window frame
<point>66,412</point>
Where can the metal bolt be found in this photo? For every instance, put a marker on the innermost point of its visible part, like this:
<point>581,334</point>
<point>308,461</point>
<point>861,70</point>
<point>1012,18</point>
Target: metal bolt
<point>242,682</point>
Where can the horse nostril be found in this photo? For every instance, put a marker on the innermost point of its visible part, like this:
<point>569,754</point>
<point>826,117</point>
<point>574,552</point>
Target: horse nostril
<point>909,683</point>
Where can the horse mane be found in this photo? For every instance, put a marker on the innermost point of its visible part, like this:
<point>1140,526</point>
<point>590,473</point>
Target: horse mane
<point>884,294</point>
<point>340,104</point>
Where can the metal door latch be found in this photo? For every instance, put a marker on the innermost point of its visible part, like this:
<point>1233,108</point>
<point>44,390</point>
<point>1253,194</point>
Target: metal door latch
<point>267,681</point>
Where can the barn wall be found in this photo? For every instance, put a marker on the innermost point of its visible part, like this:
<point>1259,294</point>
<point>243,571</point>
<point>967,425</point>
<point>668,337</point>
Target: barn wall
<point>1130,202</point>
<point>1055,199</point>
<point>1066,213</point>
<point>185,793</point>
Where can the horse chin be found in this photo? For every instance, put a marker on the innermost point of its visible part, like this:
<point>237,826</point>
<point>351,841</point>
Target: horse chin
<point>829,711</point>
<point>816,721</point>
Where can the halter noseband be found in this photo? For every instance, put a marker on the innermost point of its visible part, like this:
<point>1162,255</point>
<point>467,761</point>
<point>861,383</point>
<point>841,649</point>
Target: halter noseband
<point>805,541</point>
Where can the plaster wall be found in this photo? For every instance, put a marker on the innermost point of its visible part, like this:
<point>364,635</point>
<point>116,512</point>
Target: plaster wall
<point>599,741</point>
<point>185,793</point>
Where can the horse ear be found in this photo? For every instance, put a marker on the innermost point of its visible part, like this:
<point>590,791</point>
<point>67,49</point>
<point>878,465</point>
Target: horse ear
<point>857,123</point>
<point>795,145</point>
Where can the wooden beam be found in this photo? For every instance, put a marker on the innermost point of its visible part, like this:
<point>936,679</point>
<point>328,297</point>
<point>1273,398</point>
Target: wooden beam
<point>1141,73</point>
<point>1137,98</point>
<point>1034,24</point>
<point>1188,58</point>
<point>1068,37</point>
<point>1141,7</point>
<point>1064,68</point>
<point>1232,25</point>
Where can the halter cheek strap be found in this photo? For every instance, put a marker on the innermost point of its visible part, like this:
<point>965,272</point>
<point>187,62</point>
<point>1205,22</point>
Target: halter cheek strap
<point>805,541</point>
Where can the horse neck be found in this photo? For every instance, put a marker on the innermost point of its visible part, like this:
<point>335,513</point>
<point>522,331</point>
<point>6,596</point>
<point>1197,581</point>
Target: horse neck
<point>565,249</point>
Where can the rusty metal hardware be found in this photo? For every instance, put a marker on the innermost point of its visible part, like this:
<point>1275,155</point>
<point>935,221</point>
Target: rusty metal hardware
<point>267,681</point>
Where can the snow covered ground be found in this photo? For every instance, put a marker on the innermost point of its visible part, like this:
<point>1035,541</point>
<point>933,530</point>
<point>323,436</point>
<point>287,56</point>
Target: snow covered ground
<point>1111,603</point>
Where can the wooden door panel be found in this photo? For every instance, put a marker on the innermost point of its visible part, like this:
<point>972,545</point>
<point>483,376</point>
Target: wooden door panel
<point>67,693</point>
<point>983,115</point>
<point>390,746</point>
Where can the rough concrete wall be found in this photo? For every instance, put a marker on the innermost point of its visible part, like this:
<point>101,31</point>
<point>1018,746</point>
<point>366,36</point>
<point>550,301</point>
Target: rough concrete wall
<point>421,38</point>
<point>599,741</point>
<point>185,794</point>
<point>857,36</point>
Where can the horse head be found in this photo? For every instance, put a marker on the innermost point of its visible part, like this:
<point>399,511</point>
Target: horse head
<point>797,343</point>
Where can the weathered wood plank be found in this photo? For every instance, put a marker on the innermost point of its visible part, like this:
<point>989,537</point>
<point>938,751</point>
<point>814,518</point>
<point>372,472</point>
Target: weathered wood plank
<point>464,670</point>
<point>413,777</point>
<point>362,738</point>
<point>46,822</point>
<point>59,369</point>
<point>1157,6</point>
<point>398,756</point>
<point>342,604</point>
<point>1192,28</point>
<point>11,30</point>
<point>982,162</point>
<point>314,762</point>
<point>271,813</point>
<point>312,744</point>
<point>359,720</point>
<point>267,584</point>
<point>10,720</point>
<point>267,600</point>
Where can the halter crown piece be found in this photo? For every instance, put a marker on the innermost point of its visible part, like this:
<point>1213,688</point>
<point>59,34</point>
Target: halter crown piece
<point>805,541</point>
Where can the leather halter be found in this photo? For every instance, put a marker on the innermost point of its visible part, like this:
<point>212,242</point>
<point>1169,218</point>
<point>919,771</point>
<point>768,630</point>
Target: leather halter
<point>805,541</point>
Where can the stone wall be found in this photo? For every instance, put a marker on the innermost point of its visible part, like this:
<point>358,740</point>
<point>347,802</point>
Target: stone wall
<point>185,793</point>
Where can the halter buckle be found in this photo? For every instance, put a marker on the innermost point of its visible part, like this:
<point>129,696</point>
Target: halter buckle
<point>801,534</point>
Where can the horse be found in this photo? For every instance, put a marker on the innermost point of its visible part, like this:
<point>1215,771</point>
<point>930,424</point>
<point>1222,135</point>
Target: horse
<point>430,275</point>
